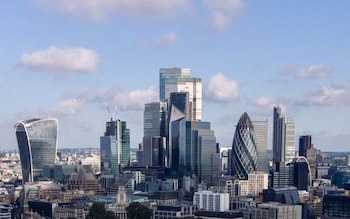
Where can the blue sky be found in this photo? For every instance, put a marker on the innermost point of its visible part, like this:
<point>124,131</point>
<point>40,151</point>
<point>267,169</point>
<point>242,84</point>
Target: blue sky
<point>69,59</point>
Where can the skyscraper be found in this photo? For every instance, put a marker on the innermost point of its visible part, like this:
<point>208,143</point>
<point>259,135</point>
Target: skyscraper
<point>283,144</point>
<point>306,149</point>
<point>244,152</point>
<point>260,130</point>
<point>179,80</point>
<point>37,144</point>
<point>115,147</point>
<point>154,133</point>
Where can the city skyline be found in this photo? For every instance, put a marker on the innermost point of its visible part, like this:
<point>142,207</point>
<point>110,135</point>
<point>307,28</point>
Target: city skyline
<point>71,59</point>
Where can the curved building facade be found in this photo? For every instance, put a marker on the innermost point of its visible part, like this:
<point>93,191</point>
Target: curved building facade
<point>37,144</point>
<point>244,154</point>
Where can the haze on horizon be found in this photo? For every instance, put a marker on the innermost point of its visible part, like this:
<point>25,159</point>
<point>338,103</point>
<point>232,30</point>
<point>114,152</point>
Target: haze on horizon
<point>72,59</point>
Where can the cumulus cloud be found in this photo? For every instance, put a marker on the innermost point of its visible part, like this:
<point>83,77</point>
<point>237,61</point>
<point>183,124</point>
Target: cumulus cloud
<point>66,108</point>
<point>264,105</point>
<point>315,71</point>
<point>64,60</point>
<point>222,12</point>
<point>309,72</point>
<point>330,95</point>
<point>221,89</point>
<point>97,10</point>
<point>134,100</point>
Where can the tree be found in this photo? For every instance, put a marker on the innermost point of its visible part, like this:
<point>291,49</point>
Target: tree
<point>98,211</point>
<point>138,211</point>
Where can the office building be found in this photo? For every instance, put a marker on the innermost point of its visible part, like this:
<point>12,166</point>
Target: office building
<point>154,133</point>
<point>37,144</point>
<point>193,149</point>
<point>306,149</point>
<point>179,80</point>
<point>283,139</point>
<point>254,185</point>
<point>115,147</point>
<point>260,130</point>
<point>244,155</point>
<point>273,211</point>
<point>211,201</point>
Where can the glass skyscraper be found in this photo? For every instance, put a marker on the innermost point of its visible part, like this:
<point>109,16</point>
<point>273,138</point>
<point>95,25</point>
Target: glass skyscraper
<point>115,147</point>
<point>154,133</point>
<point>283,139</point>
<point>179,80</point>
<point>244,153</point>
<point>260,131</point>
<point>37,144</point>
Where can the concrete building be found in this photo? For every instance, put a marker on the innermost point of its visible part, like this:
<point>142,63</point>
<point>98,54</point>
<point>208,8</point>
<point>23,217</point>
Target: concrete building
<point>273,210</point>
<point>211,201</point>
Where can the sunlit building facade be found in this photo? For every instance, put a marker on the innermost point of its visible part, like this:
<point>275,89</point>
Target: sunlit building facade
<point>244,153</point>
<point>178,80</point>
<point>37,144</point>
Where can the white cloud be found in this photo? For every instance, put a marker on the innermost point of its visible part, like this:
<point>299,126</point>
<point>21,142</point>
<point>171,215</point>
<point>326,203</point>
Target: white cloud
<point>264,101</point>
<point>221,89</point>
<point>309,72</point>
<point>134,100</point>
<point>264,105</point>
<point>167,39</point>
<point>331,95</point>
<point>99,9</point>
<point>66,60</point>
<point>66,108</point>
<point>222,12</point>
<point>315,71</point>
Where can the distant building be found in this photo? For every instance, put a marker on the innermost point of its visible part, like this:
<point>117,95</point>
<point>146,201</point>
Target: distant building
<point>37,144</point>
<point>260,130</point>
<point>244,155</point>
<point>254,185</point>
<point>283,145</point>
<point>173,211</point>
<point>211,201</point>
<point>306,149</point>
<point>337,205</point>
<point>179,80</point>
<point>154,133</point>
<point>273,211</point>
<point>115,147</point>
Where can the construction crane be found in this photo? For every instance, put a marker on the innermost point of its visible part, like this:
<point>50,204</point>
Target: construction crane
<point>114,113</point>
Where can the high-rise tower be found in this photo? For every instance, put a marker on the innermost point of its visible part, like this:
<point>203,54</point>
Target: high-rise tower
<point>154,133</point>
<point>37,144</point>
<point>283,144</point>
<point>115,147</point>
<point>244,154</point>
<point>260,130</point>
<point>179,80</point>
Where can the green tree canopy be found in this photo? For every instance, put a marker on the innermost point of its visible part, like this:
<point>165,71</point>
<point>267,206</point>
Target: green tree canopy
<point>138,211</point>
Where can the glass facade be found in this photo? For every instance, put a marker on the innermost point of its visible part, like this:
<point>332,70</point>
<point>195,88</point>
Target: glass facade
<point>179,80</point>
<point>115,147</point>
<point>37,144</point>
<point>244,155</point>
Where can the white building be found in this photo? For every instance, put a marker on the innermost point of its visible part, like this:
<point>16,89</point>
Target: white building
<point>210,201</point>
<point>255,184</point>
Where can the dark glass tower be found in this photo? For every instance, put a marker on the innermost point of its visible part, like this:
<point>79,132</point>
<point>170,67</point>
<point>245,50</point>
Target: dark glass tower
<point>115,147</point>
<point>244,155</point>
<point>37,144</point>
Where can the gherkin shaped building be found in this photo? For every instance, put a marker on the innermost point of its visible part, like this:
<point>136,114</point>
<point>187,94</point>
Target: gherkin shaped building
<point>244,155</point>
